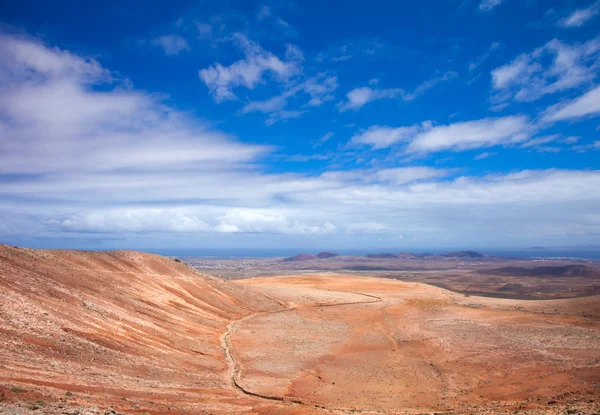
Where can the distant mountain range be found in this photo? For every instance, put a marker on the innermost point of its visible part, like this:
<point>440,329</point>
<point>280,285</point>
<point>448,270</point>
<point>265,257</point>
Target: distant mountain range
<point>464,254</point>
<point>387,255</point>
<point>575,270</point>
<point>308,257</point>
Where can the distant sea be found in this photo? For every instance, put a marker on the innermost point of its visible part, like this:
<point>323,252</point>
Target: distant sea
<point>547,253</point>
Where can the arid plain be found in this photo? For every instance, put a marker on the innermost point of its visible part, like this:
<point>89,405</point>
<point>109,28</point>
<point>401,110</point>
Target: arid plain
<point>126,332</point>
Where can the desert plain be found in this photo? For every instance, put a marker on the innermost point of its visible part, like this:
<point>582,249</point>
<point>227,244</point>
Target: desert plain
<point>128,332</point>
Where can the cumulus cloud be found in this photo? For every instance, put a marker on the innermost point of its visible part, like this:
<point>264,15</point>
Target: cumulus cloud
<point>359,97</point>
<point>134,220</point>
<point>243,220</point>
<point>580,17</point>
<point>249,72</point>
<point>186,220</point>
<point>171,44</point>
<point>528,78</point>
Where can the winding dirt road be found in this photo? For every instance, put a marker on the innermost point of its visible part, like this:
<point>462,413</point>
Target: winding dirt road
<point>421,349</point>
<point>234,371</point>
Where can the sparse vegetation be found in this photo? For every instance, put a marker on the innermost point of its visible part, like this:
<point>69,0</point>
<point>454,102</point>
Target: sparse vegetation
<point>69,393</point>
<point>16,389</point>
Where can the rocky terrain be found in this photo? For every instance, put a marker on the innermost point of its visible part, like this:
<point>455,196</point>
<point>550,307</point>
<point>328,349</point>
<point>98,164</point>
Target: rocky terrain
<point>131,333</point>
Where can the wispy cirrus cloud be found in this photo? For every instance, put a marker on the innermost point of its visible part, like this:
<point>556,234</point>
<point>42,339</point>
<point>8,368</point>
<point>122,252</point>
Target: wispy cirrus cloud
<point>350,49</point>
<point>488,5</point>
<point>325,138</point>
<point>579,17</point>
<point>171,44</point>
<point>359,97</point>
<point>484,57</point>
<point>317,90</point>
<point>528,77</point>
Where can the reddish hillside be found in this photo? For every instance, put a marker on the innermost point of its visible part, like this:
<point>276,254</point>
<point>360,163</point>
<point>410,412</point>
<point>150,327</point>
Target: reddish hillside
<point>123,328</point>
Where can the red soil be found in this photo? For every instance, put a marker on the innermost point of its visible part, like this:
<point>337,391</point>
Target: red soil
<point>143,333</point>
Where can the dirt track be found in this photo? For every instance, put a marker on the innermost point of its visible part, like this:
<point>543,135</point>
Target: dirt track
<point>235,367</point>
<point>140,333</point>
<point>418,349</point>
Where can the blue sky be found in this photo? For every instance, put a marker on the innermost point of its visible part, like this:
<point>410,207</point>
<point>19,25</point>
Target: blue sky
<point>261,124</point>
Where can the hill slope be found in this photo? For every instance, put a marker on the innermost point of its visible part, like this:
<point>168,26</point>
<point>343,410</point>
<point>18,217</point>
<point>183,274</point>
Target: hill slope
<point>114,325</point>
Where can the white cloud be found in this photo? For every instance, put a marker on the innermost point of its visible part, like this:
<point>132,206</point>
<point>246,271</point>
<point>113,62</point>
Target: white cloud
<point>359,97</point>
<point>368,227</point>
<point>171,44</point>
<point>249,72</point>
<point>250,221</point>
<point>485,56</point>
<point>379,137</point>
<point>581,16</point>
<point>263,12</point>
<point>204,29</point>
<point>583,106</point>
<point>459,136</point>
<point>487,5</point>
<point>484,155</point>
<point>319,90</point>
<point>325,138</point>
<point>346,50</point>
<point>528,78</point>
<point>282,115</point>
<point>538,141</point>
<point>19,53</point>
<point>135,220</point>
<point>79,158</point>
<point>186,220</point>
<point>404,175</point>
